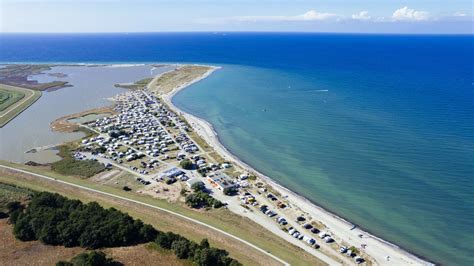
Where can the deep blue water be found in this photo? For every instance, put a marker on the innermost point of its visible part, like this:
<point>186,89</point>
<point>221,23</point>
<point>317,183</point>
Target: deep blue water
<point>377,128</point>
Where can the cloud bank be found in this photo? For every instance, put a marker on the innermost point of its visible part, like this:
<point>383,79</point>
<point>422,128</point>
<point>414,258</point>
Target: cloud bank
<point>363,15</point>
<point>311,15</point>
<point>408,14</point>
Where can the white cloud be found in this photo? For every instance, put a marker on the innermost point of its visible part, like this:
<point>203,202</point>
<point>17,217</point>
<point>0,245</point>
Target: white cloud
<point>363,15</point>
<point>311,15</point>
<point>406,13</point>
<point>459,14</point>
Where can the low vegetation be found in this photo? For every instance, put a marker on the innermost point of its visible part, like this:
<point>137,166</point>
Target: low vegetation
<point>17,75</point>
<point>11,193</point>
<point>182,75</point>
<point>94,258</point>
<point>136,85</point>
<point>70,166</point>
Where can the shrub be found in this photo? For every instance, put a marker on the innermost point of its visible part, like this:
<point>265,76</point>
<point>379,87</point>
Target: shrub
<point>201,199</point>
<point>201,254</point>
<point>94,258</point>
<point>230,191</point>
<point>186,164</point>
<point>199,186</point>
<point>354,249</point>
<point>14,210</point>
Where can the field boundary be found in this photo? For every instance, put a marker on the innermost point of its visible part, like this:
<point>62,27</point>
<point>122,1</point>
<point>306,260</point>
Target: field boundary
<point>31,96</point>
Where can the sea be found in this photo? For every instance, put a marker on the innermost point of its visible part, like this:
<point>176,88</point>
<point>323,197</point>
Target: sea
<point>378,129</point>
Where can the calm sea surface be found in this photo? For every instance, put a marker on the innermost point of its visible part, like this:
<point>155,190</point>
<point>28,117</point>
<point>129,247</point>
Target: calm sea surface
<point>379,129</point>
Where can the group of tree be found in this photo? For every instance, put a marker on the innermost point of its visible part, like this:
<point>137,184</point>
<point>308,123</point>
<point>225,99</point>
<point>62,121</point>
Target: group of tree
<point>186,164</point>
<point>229,191</point>
<point>200,198</point>
<point>94,258</point>
<point>56,220</point>
<point>116,133</point>
<point>200,254</point>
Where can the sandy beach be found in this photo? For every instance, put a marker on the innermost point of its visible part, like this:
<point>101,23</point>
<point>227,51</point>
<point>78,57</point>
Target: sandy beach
<point>381,252</point>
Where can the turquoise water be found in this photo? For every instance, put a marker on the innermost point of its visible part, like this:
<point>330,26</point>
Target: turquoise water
<point>389,145</point>
<point>366,152</point>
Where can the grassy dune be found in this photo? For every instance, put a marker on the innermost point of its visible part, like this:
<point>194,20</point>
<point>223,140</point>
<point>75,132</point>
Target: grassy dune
<point>170,80</point>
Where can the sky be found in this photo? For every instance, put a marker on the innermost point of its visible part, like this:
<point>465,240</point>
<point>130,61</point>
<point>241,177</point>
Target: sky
<point>362,16</point>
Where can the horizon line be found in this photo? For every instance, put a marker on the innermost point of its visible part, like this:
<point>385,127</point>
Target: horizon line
<point>252,31</point>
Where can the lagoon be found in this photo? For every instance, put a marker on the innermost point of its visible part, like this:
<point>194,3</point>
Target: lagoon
<point>91,86</point>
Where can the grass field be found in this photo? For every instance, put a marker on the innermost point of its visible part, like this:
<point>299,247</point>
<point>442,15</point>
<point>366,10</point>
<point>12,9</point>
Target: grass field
<point>220,218</point>
<point>16,252</point>
<point>10,193</point>
<point>70,166</point>
<point>14,100</point>
<point>170,80</point>
<point>137,85</point>
<point>7,98</point>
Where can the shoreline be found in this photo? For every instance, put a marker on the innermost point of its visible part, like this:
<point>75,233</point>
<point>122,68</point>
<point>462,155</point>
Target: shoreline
<point>378,248</point>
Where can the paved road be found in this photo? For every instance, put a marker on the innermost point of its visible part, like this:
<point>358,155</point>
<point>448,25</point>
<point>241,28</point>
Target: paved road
<point>150,206</point>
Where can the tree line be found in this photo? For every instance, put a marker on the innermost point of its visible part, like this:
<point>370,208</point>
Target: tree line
<point>199,254</point>
<point>56,220</point>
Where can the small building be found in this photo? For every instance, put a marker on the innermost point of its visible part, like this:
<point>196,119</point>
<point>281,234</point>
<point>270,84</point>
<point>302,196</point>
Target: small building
<point>221,181</point>
<point>193,181</point>
<point>173,172</point>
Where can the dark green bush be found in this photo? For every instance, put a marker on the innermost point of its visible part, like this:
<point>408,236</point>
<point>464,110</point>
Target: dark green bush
<point>186,164</point>
<point>56,220</point>
<point>94,258</point>
<point>201,199</point>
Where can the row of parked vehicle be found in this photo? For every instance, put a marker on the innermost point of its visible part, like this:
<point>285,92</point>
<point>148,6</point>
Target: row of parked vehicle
<point>296,234</point>
<point>143,181</point>
<point>264,209</point>
<point>324,236</point>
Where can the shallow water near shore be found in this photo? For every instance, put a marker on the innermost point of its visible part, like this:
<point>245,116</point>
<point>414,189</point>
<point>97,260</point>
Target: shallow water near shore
<point>377,128</point>
<point>355,150</point>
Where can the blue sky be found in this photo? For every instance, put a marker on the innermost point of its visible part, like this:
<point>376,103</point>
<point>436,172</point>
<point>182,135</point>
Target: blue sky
<point>371,16</point>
